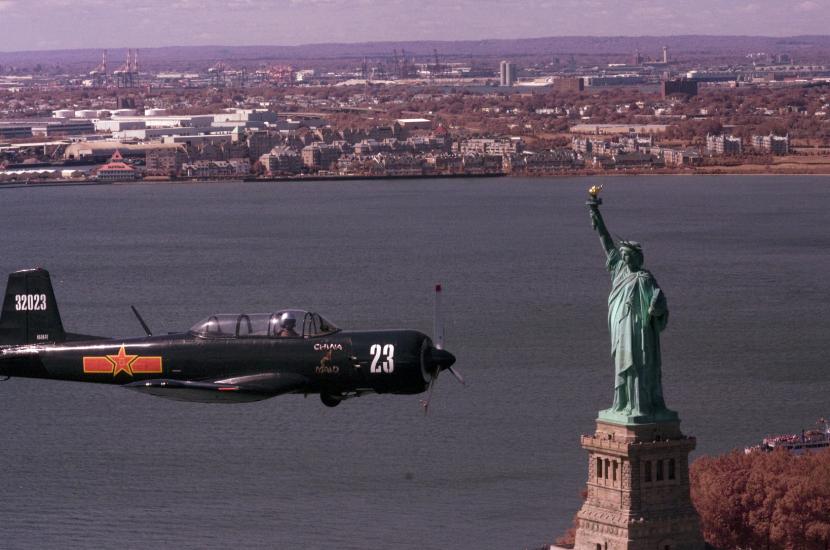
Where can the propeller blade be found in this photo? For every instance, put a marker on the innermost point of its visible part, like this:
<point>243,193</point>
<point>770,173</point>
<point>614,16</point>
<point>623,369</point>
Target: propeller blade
<point>438,321</point>
<point>441,360</point>
<point>425,402</point>
<point>457,376</point>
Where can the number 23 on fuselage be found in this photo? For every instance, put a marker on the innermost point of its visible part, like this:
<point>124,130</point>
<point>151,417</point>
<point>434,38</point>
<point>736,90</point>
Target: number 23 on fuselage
<point>225,358</point>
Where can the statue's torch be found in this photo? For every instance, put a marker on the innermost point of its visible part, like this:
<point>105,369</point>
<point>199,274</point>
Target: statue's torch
<point>594,200</point>
<point>593,203</point>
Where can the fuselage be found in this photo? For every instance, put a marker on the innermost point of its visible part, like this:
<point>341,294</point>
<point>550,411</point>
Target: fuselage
<point>342,363</point>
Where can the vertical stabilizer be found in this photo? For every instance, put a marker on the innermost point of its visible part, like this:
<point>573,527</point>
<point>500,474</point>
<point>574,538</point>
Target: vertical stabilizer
<point>30,312</point>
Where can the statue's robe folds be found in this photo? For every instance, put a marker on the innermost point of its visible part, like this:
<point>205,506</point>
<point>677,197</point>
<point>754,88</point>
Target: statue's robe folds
<point>635,339</point>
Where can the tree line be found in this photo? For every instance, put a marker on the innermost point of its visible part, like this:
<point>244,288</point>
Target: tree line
<point>764,501</point>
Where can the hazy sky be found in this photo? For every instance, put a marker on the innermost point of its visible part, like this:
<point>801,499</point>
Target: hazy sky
<point>58,24</point>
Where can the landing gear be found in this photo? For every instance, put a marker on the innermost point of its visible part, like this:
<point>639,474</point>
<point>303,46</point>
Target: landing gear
<point>330,400</point>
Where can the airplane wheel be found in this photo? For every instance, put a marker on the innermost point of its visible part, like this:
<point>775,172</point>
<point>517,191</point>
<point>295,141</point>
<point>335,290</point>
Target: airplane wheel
<point>328,400</point>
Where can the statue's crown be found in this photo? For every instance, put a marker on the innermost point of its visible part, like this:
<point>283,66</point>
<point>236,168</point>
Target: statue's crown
<point>633,245</point>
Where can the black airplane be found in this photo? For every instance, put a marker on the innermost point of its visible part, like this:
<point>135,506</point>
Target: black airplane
<point>225,358</point>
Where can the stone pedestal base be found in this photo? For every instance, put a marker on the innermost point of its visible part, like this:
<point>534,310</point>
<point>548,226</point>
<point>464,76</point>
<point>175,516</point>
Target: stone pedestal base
<point>638,489</point>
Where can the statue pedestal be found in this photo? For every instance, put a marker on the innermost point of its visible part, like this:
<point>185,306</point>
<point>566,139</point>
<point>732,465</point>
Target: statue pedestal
<point>638,489</point>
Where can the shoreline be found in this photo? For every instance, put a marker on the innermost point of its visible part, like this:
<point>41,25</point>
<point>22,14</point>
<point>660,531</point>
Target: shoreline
<point>314,178</point>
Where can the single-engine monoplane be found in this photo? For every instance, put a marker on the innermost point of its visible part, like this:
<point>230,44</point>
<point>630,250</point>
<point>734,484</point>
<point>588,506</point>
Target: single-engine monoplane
<point>224,358</point>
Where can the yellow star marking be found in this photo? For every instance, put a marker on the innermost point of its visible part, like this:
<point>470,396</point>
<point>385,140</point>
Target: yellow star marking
<point>122,362</point>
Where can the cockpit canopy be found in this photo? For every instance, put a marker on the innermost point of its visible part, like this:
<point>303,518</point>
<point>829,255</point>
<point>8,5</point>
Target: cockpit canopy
<point>287,323</point>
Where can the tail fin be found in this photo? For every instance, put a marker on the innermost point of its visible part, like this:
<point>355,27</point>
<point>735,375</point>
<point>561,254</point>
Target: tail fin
<point>30,312</point>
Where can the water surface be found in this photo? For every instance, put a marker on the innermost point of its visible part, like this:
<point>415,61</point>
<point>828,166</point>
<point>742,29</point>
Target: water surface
<point>743,261</point>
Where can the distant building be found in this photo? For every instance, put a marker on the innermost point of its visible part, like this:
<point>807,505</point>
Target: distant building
<point>637,143</point>
<point>681,157</point>
<point>483,164</point>
<point>258,117</point>
<point>581,145</point>
<point>723,145</point>
<point>507,73</point>
<point>164,160</point>
<point>110,125</point>
<point>369,146</point>
<point>215,169</point>
<point>207,169</point>
<point>605,147</point>
<point>400,165</point>
<point>678,86</point>
<point>414,123</point>
<point>319,156</point>
<point>126,103</point>
<point>777,145</point>
<point>545,162</point>
<point>241,166</point>
<point>282,160</point>
<point>491,146</point>
<point>63,127</point>
<point>569,84</point>
<point>116,170</point>
<point>636,159</point>
<point>424,144</point>
<point>626,79</point>
<point>197,140</point>
<point>609,129</point>
<point>713,75</point>
<point>15,131</point>
<point>98,151</point>
<point>260,143</point>
<point>206,151</point>
<point>636,58</point>
<point>442,163</point>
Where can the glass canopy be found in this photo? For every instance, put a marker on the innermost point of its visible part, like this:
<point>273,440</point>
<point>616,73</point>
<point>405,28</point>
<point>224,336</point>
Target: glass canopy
<point>286,323</point>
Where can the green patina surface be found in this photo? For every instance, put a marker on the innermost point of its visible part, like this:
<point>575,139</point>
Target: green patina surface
<point>637,314</point>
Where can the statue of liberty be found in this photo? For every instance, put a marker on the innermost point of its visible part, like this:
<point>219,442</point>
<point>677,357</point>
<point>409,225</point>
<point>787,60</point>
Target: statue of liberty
<point>637,313</point>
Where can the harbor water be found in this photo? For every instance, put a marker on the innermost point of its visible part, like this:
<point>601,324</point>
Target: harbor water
<point>497,464</point>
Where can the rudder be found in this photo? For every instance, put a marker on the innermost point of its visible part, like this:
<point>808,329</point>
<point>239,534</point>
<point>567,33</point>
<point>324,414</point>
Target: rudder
<point>30,313</point>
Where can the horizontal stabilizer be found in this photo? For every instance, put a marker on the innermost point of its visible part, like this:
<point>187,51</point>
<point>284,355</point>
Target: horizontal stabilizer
<point>241,389</point>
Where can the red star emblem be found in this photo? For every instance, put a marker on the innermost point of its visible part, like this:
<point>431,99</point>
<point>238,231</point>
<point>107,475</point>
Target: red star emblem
<point>122,362</point>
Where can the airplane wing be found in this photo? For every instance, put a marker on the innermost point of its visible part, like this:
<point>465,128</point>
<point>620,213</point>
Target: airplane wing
<point>240,389</point>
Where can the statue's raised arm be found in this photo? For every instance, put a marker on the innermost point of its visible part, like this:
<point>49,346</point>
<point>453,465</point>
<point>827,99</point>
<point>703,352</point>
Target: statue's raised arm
<point>596,219</point>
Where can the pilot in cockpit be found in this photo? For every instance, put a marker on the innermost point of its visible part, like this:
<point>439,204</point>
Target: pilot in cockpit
<point>287,324</point>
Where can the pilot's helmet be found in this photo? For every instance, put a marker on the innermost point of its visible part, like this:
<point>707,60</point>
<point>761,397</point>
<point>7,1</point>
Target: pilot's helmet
<point>287,321</point>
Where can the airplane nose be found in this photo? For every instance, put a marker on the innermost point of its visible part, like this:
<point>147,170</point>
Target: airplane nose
<point>442,358</point>
<point>435,360</point>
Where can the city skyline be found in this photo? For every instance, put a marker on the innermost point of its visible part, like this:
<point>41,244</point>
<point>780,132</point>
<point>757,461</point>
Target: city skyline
<point>43,25</point>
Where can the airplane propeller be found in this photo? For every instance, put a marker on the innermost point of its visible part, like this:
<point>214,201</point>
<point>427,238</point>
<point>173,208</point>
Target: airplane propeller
<point>436,357</point>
